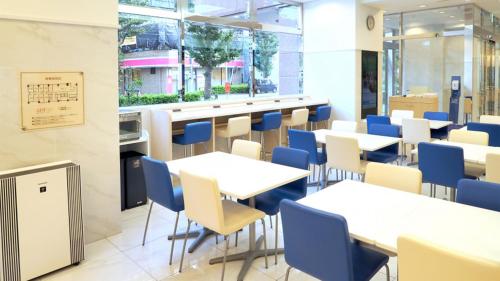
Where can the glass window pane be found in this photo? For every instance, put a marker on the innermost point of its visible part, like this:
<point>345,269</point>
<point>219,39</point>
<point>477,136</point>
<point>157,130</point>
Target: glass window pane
<point>217,59</point>
<point>434,21</point>
<point>278,63</point>
<point>149,64</point>
<point>165,4</point>
<point>392,25</point>
<point>219,8</point>
<point>275,12</point>
<point>390,73</point>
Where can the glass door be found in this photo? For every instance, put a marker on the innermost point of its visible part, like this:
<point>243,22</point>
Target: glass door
<point>390,73</point>
<point>488,95</point>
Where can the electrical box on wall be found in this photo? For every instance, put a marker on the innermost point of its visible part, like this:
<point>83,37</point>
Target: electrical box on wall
<point>41,227</point>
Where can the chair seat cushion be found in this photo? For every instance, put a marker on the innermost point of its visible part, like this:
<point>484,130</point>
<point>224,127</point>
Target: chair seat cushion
<point>366,263</point>
<point>178,200</point>
<point>321,158</point>
<point>439,134</point>
<point>314,118</point>
<point>236,216</point>
<point>473,170</point>
<point>258,127</point>
<point>268,202</point>
<point>180,139</point>
<point>382,157</point>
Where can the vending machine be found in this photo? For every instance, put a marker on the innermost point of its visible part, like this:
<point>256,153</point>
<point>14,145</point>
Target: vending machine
<point>455,99</point>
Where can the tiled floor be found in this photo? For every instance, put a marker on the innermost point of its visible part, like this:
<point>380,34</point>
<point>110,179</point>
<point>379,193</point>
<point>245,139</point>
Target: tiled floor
<point>122,257</point>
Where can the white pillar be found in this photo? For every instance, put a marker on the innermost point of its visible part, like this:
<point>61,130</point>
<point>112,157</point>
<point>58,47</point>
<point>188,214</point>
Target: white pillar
<point>335,33</point>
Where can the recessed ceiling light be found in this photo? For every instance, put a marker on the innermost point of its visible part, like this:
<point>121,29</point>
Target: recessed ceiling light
<point>441,12</point>
<point>452,16</point>
<point>422,6</point>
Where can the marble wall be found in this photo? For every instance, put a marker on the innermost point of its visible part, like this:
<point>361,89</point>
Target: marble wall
<point>36,46</point>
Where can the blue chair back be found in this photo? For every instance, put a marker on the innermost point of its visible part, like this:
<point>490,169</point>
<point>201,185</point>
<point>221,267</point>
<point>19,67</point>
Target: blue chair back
<point>479,194</point>
<point>159,184</point>
<point>316,242</point>
<point>197,132</point>
<point>271,121</point>
<point>441,164</point>
<point>387,131</point>
<point>492,129</point>
<point>440,116</point>
<point>323,113</point>
<point>295,158</point>
<point>376,119</point>
<point>304,140</point>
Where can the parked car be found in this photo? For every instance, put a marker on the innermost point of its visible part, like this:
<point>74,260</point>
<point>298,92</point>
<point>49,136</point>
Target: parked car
<point>265,86</point>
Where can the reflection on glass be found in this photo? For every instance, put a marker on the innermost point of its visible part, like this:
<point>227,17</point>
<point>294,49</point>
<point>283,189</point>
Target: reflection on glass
<point>390,73</point>
<point>434,21</point>
<point>219,8</point>
<point>148,54</point>
<point>274,12</point>
<point>392,25</point>
<point>217,60</point>
<point>165,4</point>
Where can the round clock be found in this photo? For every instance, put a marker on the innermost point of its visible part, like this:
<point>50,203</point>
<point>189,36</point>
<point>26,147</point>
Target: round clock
<point>370,22</point>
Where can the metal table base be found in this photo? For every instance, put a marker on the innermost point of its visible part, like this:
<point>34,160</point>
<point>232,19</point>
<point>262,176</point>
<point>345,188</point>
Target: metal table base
<point>200,235</point>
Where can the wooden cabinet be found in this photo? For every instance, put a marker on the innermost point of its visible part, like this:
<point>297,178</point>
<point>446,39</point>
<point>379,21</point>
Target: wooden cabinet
<point>418,104</point>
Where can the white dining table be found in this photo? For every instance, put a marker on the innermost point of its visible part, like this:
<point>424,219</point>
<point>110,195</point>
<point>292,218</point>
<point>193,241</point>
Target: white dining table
<point>473,153</point>
<point>433,124</point>
<point>241,178</point>
<point>377,216</point>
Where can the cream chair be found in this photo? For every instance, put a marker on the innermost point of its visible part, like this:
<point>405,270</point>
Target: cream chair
<point>470,137</point>
<point>203,205</point>
<point>493,167</point>
<point>396,177</point>
<point>490,119</point>
<point>248,149</point>
<point>420,260</point>
<point>298,118</point>
<point>402,114</point>
<point>415,131</point>
<point>343,154</point>
<point>344,126</point>
<point>236,126</point>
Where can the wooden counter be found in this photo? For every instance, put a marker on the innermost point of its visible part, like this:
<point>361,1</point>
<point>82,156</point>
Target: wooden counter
<point>418,104</point>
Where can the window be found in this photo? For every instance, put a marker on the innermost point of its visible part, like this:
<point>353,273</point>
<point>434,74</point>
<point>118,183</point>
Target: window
<point>165,4</point>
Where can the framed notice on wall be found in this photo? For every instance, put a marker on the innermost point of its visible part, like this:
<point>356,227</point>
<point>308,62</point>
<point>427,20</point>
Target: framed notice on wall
<point>51,99</point>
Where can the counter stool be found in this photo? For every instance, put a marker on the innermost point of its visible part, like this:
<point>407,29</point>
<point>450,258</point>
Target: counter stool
<point>299,118</point>
<point>270,121</point>
<point>236,126</point>
<point>194,133</point>
<point>322,114</point>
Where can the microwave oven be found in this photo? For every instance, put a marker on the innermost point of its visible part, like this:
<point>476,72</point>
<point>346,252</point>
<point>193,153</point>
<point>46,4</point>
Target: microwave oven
<point>130,125</point>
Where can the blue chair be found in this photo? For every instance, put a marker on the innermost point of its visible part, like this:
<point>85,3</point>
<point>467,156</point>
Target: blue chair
<point>160,191</point>
<point>440,116</point>
<point>492,129</point>
<point>388,154</point>
<point>306,140</point>
<point>479,194</point>
<point>322,114</point>
<point>269,202</point>
<point>270,121</point>
<point>376,119</point>
<point>441,165</point>
<point>318,243</point>
<point>194,133</point>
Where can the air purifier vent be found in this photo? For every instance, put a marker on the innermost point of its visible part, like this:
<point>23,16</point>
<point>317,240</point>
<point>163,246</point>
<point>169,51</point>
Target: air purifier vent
<point>75,214</point>
<point>9,231</point>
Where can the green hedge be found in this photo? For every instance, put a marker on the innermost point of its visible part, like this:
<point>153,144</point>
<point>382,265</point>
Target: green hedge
<point>195,96</point>
<point>146,99</point>
<point>235,89</point>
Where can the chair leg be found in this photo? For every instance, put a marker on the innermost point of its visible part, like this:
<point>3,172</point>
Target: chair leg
<point>265,241</point>
<point>185,151</point>
<point>216,239</point>
<point>236,239</point>
<point>288,273</point>
<point>147,224</point>
<point>225,256</point>
<point>184,245</point>
<point>313,176</point>
<point>271,222</point>
<point>228,145</point>
<point>319,178</point>
<point>173,238</point>
<point>387,272</point>
<point>276,241</point>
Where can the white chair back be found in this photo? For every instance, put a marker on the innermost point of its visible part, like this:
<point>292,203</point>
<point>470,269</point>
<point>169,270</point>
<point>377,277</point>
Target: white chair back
<point>490,119</point>
<point>299,117</point>
<point>202,200</point>
<point>344,126</point>
<point>493,167</point>
<point>396,177</point>
<point>416,131</point>
<point>248,149</point>
<point>402,113</point>
<point>471,137</point>
<point>238,126</point>
<point>343,153</point>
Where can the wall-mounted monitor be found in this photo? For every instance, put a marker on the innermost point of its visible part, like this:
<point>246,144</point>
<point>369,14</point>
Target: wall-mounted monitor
<point>369,83</point>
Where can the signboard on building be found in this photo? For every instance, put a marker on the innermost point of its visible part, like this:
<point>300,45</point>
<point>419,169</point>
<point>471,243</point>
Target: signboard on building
<point>51,99</point>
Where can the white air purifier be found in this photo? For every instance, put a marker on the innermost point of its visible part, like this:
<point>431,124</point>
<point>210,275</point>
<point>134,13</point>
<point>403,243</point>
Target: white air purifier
<point>41,228</point>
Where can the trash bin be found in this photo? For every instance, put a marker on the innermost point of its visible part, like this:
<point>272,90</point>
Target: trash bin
<point>135,187</point>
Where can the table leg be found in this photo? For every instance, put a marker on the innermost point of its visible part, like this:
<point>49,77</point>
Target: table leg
<point>253,252</point>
